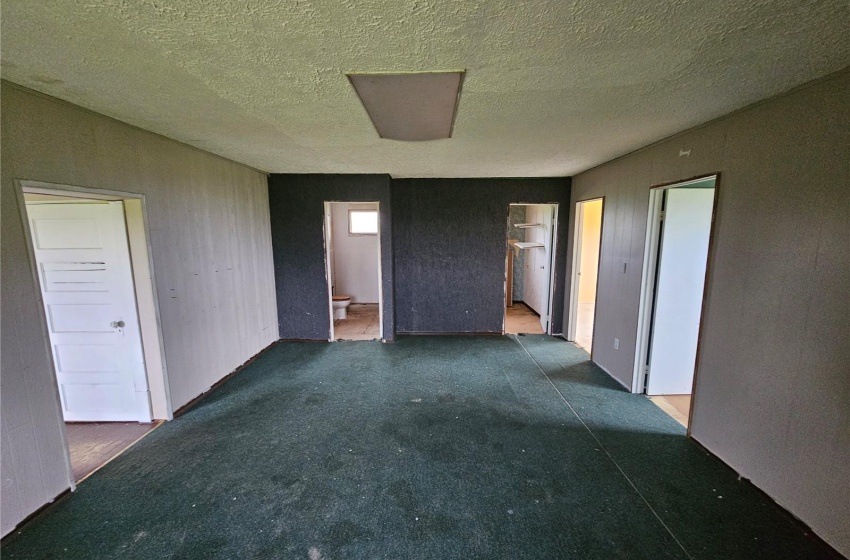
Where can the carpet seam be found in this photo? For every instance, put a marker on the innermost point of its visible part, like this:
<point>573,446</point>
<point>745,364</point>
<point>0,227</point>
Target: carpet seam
<point>604,449</point>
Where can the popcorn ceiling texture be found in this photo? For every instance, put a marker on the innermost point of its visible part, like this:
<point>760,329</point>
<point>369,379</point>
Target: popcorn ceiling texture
<point>552,87</point>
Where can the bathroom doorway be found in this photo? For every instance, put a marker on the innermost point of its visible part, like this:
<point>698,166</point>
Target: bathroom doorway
<point>529,269</point>
<point>588,240</point>
<point>673,284</point>
<point>353,270</point>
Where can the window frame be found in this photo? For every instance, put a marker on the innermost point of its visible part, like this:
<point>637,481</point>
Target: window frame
<point>361,234</point>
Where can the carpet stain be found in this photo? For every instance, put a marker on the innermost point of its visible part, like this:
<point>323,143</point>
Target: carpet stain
<point>434,526</point>
<point>316,399</point>
<point>288,490</point>
<point>333,464</point>
<point>344,533</point>
<point>402,492</point>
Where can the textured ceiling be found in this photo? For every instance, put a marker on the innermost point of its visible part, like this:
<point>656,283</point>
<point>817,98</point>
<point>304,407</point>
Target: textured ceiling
<point>553,87</point>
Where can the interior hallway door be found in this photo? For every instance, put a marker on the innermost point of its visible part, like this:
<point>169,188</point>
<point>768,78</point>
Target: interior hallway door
<point>84,270</point>
<point>678,299</point>
<point>537,272</point>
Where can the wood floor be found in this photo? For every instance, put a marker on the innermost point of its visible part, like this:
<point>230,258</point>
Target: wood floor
<point>93,444</point>
<point>677,406</point>
<point>362,323</point>
<point>520,319</point>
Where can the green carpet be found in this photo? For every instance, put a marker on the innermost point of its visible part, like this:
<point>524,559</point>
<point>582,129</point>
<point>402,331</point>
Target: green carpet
<point>432,447</point>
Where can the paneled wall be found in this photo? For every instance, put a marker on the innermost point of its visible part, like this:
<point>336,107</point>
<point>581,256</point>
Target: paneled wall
<point>209,231</point>
<point>772,391</point>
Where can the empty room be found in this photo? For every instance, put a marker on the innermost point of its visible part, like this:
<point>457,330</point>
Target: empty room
<point>425,280</point>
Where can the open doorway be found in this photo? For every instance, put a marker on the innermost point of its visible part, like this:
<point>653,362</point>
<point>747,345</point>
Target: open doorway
<point>353,269</point>
<point>673,284</point>
<point>90,256</point>
<point>588,240</point>
<point>529,275</point>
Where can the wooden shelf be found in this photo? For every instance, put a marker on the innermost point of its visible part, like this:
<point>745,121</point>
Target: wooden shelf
<point>526,226</point>
<point>528,244</point>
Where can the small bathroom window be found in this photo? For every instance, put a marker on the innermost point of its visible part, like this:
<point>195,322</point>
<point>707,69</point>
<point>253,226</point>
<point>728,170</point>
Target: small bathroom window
<point>363,222</point>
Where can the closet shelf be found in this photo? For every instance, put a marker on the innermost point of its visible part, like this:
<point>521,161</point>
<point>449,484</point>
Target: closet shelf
<point>526,226</point>
<point>528,244</point>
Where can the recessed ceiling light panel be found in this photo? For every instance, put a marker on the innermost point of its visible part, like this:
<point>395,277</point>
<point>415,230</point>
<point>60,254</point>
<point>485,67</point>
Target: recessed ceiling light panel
<point>411,106</point>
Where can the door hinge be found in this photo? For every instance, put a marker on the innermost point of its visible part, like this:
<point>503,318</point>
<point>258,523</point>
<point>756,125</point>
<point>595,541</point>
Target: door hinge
<point>661,215</point>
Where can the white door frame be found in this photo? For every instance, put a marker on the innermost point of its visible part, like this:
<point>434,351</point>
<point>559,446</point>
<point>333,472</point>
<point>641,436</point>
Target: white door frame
<point>552,252</point>
<point>144,283</point>
<point>572,324</point>
<point>648,277</point>
<point>553,244</point>
<point>327,232</point>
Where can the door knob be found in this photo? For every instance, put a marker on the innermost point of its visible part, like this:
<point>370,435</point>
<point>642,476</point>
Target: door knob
<point>117,324</point>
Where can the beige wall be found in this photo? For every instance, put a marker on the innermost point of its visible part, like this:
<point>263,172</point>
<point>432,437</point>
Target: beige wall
<point>591,225</point>
<point>209,230</point>
<point>773,389</point>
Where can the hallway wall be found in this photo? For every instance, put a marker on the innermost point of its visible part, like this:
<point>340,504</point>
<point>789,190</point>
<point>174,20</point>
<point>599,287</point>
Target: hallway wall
<point>208,220</point>
<point>772,390</point>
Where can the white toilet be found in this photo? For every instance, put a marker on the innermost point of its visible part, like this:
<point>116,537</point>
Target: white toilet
<point>339,305</point>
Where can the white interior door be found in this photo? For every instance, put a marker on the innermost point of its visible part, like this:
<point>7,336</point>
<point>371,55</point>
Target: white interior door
<point>678,298</point>
<point>531,287</point>
<point>588,233</point>
<point>544,260</point>
<point>86,281</point>
<point>536,272</point>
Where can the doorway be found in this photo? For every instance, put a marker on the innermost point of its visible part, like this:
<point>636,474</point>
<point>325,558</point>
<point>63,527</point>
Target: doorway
<point>353,270</point>
<point>529,269</point>
<point>90,258</point>
<point>673,285</point>
<point>586,247</point>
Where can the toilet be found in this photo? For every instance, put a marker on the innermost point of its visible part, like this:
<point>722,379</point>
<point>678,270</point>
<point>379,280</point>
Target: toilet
<point>339,305</point>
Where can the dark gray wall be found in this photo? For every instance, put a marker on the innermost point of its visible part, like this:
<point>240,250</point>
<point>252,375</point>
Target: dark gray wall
<point>296,205</point>
<point>449,240</point>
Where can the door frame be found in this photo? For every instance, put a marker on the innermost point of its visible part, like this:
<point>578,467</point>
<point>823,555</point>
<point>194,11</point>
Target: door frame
<point>144,284</point>
<point>572,324</point>
<point>648,280</point>
<point>327,234</point>
<point>553,236</point>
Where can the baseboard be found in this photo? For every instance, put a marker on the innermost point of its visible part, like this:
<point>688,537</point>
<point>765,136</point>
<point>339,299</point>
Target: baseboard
<point>449,333</point>
<point>186,407</point>
<point>43,509</point>
<point>828,551</point>
<point>626,387</point>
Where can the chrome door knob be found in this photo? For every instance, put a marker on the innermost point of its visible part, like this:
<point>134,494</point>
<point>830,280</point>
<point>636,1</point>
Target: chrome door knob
<point>117,324</point>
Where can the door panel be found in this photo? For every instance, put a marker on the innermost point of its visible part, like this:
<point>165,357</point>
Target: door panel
<point>83,262</point>
<point>544,259</point>
<point>536,274</point>
<point>678,298</point>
